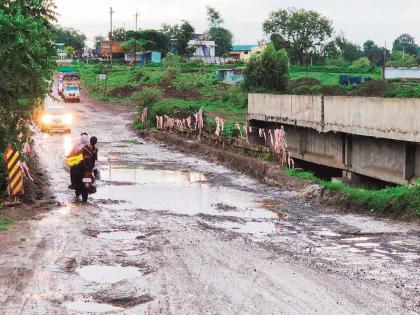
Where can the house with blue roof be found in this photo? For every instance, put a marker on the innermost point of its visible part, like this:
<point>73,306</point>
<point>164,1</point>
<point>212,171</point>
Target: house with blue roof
<point>242,52</point>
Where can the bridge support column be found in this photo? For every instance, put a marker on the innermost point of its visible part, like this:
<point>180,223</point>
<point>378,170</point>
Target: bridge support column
<point>409,161</point>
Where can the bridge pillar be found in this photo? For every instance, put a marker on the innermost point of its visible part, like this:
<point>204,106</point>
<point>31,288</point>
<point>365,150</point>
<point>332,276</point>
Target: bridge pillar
<point>409,161</point>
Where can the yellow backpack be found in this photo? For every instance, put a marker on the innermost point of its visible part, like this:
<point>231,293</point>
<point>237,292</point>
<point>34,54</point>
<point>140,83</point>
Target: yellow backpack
<point>74,160</point>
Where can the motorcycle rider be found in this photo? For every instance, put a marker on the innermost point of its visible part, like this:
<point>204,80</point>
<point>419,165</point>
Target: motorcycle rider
<point>75,171</point>
<point>90,154</point>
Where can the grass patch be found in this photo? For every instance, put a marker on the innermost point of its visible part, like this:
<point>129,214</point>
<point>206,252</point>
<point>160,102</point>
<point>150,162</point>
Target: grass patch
<point>400,200</point>
<point>4,224</point>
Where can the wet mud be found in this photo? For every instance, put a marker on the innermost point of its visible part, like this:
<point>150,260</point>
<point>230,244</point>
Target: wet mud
<point>173,233</point>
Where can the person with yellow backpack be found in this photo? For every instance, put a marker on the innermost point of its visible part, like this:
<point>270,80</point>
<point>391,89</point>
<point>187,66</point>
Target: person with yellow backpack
<point>75,158</point>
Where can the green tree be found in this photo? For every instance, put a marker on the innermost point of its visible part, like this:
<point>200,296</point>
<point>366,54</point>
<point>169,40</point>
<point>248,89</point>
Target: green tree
<point>268,70</point>
<point>179,36</point>
<point>70,51</point>
<point>348,50</point>
<point>69,36</point>
<point>400,59</point>
<point>222,37</point>
<point>157,40</point>
<point>133,45</point>
<point>302,30</point>
<point>98,41</point>
<point>405,43</point>
<point>26,64</point>
<point>118,34</point>
<point>375,54</point>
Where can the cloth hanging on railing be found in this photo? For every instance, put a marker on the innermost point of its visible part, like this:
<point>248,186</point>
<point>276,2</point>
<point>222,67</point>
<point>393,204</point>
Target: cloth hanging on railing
<point>220,125</point>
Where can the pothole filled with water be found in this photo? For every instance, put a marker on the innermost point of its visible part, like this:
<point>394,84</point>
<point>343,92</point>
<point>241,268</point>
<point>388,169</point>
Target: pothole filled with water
<point>120,235</point>
<point>109,274</point>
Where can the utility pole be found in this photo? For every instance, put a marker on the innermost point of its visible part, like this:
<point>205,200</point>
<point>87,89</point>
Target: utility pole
<point>135,38</point>
<point>111,32</point>
<point>383,65</point>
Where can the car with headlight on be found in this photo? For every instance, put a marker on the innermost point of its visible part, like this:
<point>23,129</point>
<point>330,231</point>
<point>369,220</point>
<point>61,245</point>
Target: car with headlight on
<point>71,93</point>
<point>56,119</point>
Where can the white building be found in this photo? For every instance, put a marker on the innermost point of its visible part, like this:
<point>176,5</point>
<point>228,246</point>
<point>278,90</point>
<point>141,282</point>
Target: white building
<point>203,48</point>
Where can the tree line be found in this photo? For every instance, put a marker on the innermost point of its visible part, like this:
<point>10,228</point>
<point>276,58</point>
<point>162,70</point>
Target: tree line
<point>307,36</point>
<point>168,39</point>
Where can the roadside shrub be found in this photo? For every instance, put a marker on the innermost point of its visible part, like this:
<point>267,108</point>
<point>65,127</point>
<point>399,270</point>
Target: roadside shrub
<point>230,130</point>
<point>269,70</point>
<point>146,97</point>
<point>137,124</point>
<point>362,63</point>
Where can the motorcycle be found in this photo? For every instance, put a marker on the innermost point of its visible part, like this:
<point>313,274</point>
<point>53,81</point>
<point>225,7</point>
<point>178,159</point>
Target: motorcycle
<point>86,185</point>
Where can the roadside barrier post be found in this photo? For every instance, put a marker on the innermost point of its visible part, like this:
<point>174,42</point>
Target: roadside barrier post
<point>14,172</point>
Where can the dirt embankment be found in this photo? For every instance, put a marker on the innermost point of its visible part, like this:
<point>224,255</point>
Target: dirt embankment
<point>36,199</point>
<point>168,90</point>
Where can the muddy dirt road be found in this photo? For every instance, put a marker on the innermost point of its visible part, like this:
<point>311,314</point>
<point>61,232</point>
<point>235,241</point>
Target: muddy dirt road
<point>169,233</point>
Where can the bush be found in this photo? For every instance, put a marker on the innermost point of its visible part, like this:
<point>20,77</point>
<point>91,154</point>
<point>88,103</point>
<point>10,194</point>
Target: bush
<point>146,97</point>
<point>238,96</point>
<point>269,70</point>
<point>169,75</point>
<point>399,59</point>
<point>362,63</point>
<point>173,61</point>
<point>337,62</point>
<point>173,108</point>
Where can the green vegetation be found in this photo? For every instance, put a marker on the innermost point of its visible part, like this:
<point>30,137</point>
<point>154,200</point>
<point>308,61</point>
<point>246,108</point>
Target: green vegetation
<point>399,200</point>
<point>268,71</point>
<point>26,63</point>
<point>4,224</point>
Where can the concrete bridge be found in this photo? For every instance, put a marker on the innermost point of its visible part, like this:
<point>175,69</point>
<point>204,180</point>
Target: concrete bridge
<point>374,137</point>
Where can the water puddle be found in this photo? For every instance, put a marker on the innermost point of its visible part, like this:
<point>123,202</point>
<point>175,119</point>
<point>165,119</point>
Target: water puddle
<point>181,192</point>
<point>115,174</point>
<point>251,227</point>
<point>108,274</point>
<point>90,307</point>
<point>120,235</point>
<point>326,233</point>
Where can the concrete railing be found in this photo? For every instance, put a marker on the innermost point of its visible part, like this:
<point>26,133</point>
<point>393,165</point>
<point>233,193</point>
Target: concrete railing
<point>388,118</point>
<point>302,110</point>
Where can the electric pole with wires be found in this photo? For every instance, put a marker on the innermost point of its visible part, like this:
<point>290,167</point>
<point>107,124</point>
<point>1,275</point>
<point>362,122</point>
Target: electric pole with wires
<point>135,38</point>
<point>111,12</point>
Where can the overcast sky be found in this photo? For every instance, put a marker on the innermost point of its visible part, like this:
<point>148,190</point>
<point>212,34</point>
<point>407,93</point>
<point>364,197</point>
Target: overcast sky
<point>360,20</point>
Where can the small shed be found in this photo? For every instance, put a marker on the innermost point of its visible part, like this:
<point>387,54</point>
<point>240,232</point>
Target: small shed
<point>230,76</point>
<point>145,57</point>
